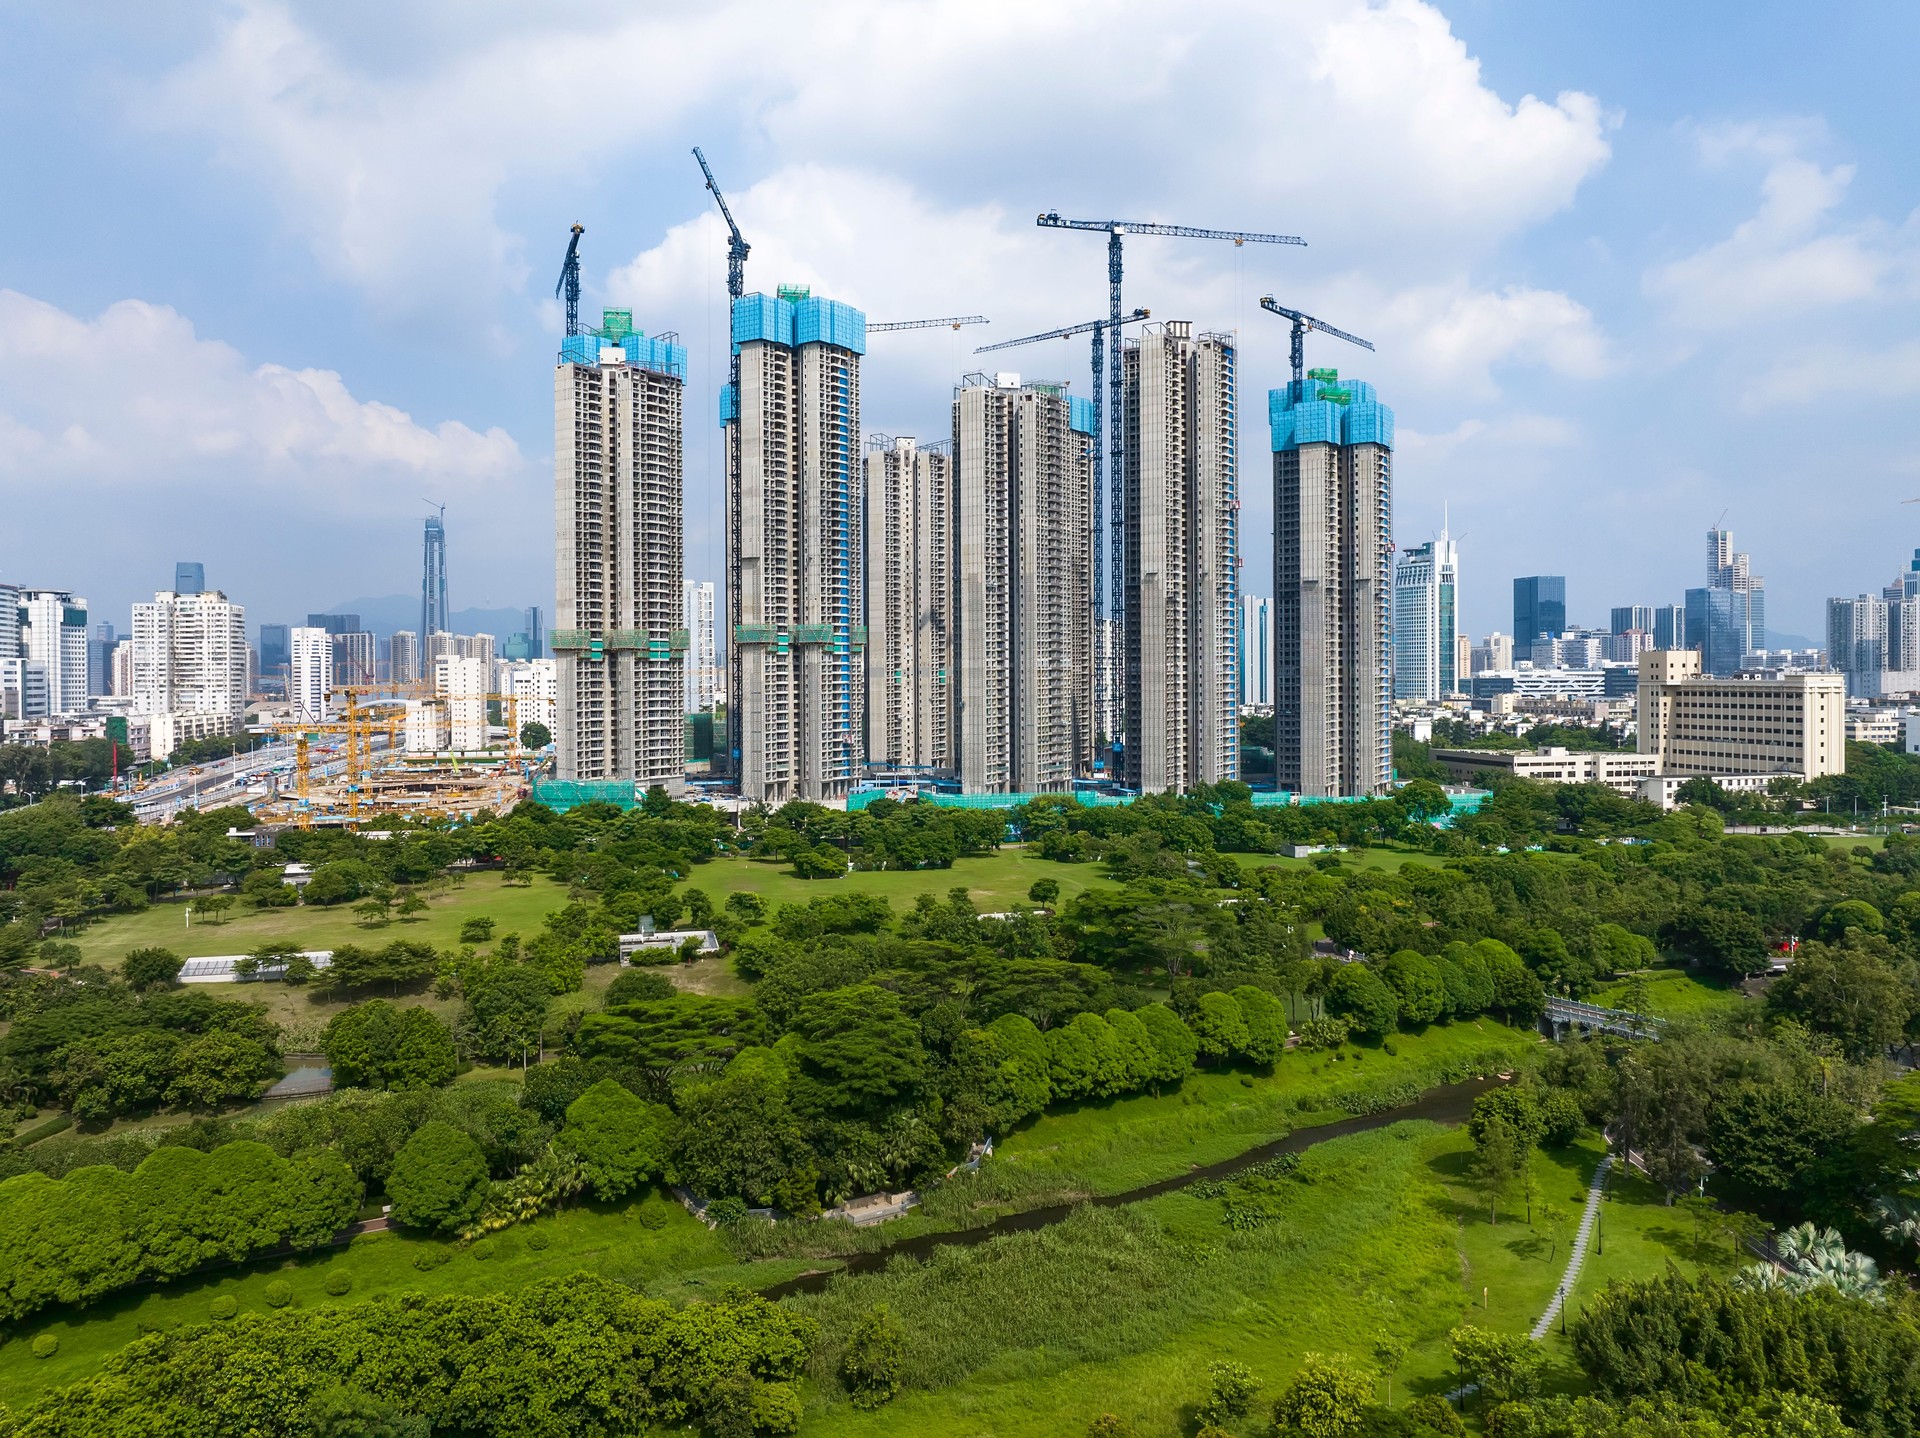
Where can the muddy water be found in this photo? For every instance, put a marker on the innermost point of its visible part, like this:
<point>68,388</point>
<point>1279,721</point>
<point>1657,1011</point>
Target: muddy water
<point>1449,1104</point>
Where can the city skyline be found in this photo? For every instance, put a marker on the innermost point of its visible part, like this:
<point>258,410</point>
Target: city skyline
<point>1586,254</point>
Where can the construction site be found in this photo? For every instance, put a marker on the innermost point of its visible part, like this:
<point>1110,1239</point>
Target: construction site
<point>379,759</point>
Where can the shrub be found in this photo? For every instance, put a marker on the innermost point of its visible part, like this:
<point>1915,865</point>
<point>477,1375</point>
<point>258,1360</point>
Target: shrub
<point>653,1214</point>
<point>539,1240</point>
<point>428,1259</point>
<point>339,1282</point>
<point>279,1293</point>
<point>871,1365</point>
<point>485,1249</point>
<point>727,1212</point>
<point>45,1346</point>
<point>224,1307</point>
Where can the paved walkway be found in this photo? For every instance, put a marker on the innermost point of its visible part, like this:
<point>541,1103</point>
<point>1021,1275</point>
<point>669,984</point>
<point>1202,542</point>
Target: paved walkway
<point>1578,1255</point>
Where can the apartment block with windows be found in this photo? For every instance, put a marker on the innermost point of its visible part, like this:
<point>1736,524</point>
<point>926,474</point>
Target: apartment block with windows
<point>1742,724</point>
<point>619,637</point>
<point>910,679</point>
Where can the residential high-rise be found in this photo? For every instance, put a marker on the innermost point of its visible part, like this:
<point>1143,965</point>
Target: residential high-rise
<point>1494,653</point>
<point>1179,669</point>
<point>190,664</point>
<point>122,670</point>
<point>1726,621</point>
<point>403,657</point>
<point>534,685</point>
<point>462,685</point>
<point>189,576</point>
<point>1424,627</point>
<point>1333,527</point>
<point>310,674</point>
<point>796,581</point>
<point>1256,652</point>
<point>1020,641</point>
<point>910,678</point>
<point>53,634</point>
<point>355,659</point>
<point>9,621</point>
<point>703,666</point>
<point>619,544</point>
<point>434,613</point>
<point>1539,607</point>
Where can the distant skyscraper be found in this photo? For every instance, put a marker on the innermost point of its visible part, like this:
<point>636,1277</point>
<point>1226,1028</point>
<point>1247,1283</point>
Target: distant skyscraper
<point>276,650</point>
<point>1539,607</point>
<point>355,658</point>
<point>100,659</point>
<point>1630,617</point>
<point>189,577</point>
<point>703,669</point>
<point>536,632</point>
<point>403,657</point>
<point>433,576</point>
<point>1424,608</point>
<point>1256,652</point>
<point>796,578</point>
<point>1333,528</point>
<point>54,635</point>
<point>1021,623</point>
<point>310,674</point>
<point>618,636</point>
<point>335,623</point>
<point>1180,674</point>
<point>1670,626</point>
<point>1726,621</point>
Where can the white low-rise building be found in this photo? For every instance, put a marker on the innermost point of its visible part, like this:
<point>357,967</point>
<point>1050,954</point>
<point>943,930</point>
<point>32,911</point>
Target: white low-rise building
<point>1621,772</point>
<point>1769,723</point>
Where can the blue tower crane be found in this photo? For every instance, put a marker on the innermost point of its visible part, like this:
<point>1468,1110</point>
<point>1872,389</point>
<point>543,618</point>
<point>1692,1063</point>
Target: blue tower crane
<point>569,281</point>
<point>1301,324</point>
<point>737,247</point>
<point>952,321</point>
<point>1116,456</point>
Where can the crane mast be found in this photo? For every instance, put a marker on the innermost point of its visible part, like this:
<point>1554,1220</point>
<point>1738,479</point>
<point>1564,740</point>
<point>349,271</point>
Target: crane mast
<point>569,282</point>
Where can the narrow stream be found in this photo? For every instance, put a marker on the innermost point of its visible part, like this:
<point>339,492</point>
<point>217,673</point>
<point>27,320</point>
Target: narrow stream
<point>1449,1104</point>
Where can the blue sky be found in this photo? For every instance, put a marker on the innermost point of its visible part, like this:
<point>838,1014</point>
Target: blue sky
<point>273,274</point>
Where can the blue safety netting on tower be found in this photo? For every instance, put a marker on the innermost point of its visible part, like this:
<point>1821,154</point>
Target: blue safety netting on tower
<point>1324,409</point>
<point>1080,413</point>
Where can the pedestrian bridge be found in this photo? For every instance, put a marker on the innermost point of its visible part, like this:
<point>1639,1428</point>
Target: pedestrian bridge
<point>1562,1016</point>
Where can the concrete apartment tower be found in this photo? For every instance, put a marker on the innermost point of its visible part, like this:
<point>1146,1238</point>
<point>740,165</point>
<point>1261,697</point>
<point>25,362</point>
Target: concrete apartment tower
<point>703,667</point>
<point>1333,532</point>
<point>1179,666</point>
<point>1425,619</point>
<point>1022,638</point>
<point>190,657</point>
<point>796,583</point>
<point>618,549</point>
<point>909,494</point>
<point>309,674</point>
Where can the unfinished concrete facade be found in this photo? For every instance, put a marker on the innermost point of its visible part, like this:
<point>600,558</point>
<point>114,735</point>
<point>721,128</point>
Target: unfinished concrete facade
<point>1333,528</point>
<point>618,639</point>
<point>1023,557</point>
<point>1180,668</point>
<point>795,558</point>
<point>909,660</point>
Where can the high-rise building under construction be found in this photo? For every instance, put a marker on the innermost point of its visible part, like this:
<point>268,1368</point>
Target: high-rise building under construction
<point>795,555</point>
<point>1023,621</point>
<point>1332,538</point>
<point>1178,660</point>
<point>619,542</point>
<point>909,495</point>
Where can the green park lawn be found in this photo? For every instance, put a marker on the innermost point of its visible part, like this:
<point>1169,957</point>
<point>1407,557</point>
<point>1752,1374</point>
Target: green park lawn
<point>1672,994</point>
<point>1386,858</point>
<point>1119,1144</point>
<point>996,881</point>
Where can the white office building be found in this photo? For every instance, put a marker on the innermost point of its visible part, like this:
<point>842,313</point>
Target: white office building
<point>310,675</point>
<point>1742,724</point>
<point>53,635</point>
<point>1425,627</point>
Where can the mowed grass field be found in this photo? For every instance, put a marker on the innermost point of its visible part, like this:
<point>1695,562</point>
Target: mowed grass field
<point>1672,994</point>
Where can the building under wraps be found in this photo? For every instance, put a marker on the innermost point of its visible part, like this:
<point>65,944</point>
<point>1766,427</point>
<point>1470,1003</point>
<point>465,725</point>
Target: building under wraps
<point>1332,538</point>
<point>909,493</point>
<point>1023,621</point>
<point>619,638</point>
<point>795,557</point>
<point>1182,560</point>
